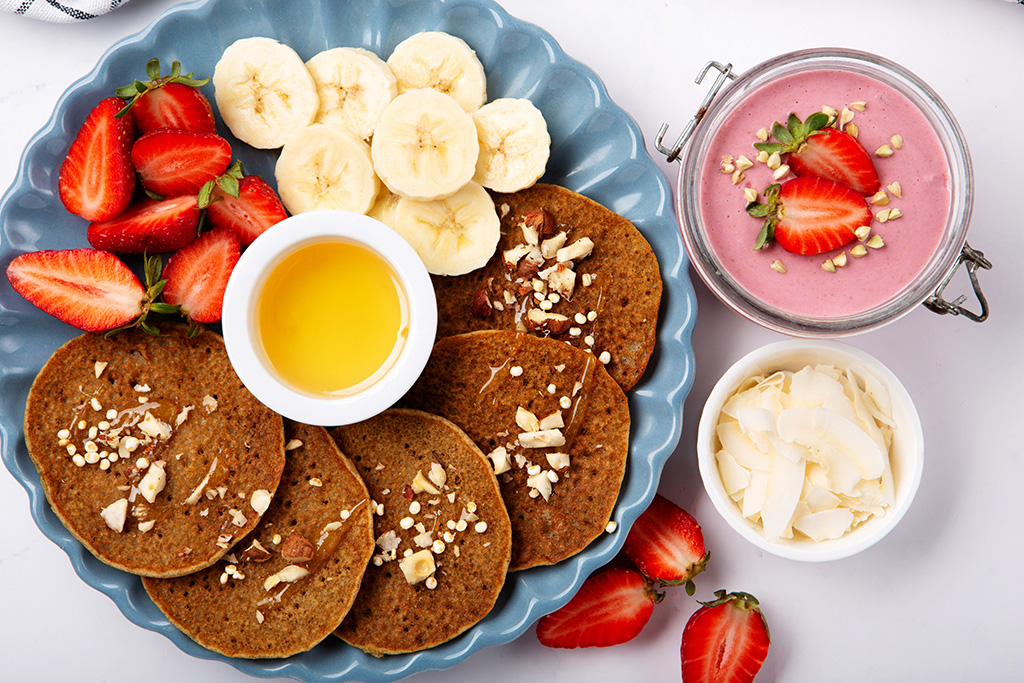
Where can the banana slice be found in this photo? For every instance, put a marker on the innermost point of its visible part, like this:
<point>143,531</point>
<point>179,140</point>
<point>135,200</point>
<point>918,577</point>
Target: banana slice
<point>514,144</point>
<point>425,146</point>
<point>326,167</point>
<point>453,236</point>
<point>438,60</point>
<point>384,208</point>
<point>354,86</point>
<point>264,92</point>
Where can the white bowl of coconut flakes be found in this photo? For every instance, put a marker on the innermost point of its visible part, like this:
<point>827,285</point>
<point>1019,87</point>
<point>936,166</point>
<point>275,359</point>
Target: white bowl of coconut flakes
<point>811,450</point>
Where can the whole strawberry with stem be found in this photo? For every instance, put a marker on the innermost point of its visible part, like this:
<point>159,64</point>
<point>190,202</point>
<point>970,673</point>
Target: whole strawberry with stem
<point>171,101</point>
<point>667,545</point>
<point>611,607</point>
<point>816,149</point>
<point>725,641</point>
<point>809,215</point>
<point>245,204</point>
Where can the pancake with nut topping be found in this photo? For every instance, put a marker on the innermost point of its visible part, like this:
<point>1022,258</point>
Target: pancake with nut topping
<point>150,450</point>
<point>443,535</point>
<point>567,268</point>
<point>554,424</point>
<point>291,582</point>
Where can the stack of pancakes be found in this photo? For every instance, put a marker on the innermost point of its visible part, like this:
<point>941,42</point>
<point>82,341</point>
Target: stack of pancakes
<point>259,537</point>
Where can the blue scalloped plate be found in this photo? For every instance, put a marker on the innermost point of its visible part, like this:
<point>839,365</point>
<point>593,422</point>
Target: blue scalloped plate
<point>597,150</point>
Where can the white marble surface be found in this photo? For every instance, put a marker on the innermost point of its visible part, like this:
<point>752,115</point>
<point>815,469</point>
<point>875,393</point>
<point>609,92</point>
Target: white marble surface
<point>934,601</point>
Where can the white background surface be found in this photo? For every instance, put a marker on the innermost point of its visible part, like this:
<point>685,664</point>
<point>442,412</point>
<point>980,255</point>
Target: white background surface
<point>934,601</point>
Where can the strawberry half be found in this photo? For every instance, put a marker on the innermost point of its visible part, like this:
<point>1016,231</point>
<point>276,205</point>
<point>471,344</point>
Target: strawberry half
<point>197,274</point>
<point>810,215</point>
<point>149,226</point>
<point>836,155</point>
<point>89,289</point>
<point>97,178</point>
<point>611,607</point>
<point>171,101</point>
<point>175,162</point>
<point>667,545</point>
<point>248,211</point>
<point>725,641</point>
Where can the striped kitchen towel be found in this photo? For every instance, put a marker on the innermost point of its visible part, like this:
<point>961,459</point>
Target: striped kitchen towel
<point>62,11</point>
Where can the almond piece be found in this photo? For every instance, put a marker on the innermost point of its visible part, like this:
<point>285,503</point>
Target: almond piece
<point>297,549</point>
<point>481,307</point>
<point>541,221</point>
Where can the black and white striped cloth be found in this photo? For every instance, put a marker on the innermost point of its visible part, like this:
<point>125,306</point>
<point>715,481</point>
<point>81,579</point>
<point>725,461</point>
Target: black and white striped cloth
<point>61,11</point>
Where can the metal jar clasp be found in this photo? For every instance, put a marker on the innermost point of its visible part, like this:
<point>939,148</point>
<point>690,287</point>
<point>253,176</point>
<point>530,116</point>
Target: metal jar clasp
<point>972,260</point>
<point>725,73</point>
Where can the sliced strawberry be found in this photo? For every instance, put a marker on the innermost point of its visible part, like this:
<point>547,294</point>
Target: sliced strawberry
<point>836,155</point>
<point>251,213</point>
<point>171,101</point>
<point>725,641</point>
<point>197,274</point>
<point>175,162</point>
<point>611,607</point>
<point>97,177</point>
<point>149,226</point>
<point>86,288</point>
<point>667,545</point>
<point>810,215</point>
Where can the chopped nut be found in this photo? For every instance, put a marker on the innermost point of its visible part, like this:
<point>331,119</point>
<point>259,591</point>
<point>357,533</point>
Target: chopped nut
<point>260,501</point>
<point>778,266</point>
<point>896,189</point>
<point>762,134</point>
<point>209,403</point>
<point>418,566</point>
<point>876,242</point>
<point>542,439</point>
<point>839,260</point>
<point>882,216</point>
<point>829,111</point>
<point>550,246</point>
<point>558,460</point>
<point>880,198</point>
<point>853,130</point>
<point>147,525</point>
<point>289,574</point>
<point>858,250</point>
<point>98,368</point>
<point>316,482</point>
<point>774,161</point>
<point>481,307</point>
<point>552,421</point>
<point>884,151</point>
<point>762,156</point>
<point>743,163</point>
<point>421,484</point>
<point>526,420</point>
<point>845,117</point>
<point>437,474</point>
<point>859,105</point>
<point>541,221</point>
<point>897,141</point>
<point>894,214</point>
<point>540,483</point>
<point>579,249</point>
<point>737,177</point>
<point>154,481</point>
<point>255,552</point>
<point>297,549</point>
<point>512,256</point>
<point>115,514</point>
<point>750,194</point>
<point>829,266</point>
<point>862,232</point>
<point>554,323</point>
<point>781,171</point>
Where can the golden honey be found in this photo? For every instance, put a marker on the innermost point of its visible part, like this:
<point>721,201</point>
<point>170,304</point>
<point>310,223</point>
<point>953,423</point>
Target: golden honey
<point>332,317</point>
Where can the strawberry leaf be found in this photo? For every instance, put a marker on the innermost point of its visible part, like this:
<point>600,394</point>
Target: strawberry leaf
<point>770,147</point>
<point>782,134</point>
<point>816,121</point>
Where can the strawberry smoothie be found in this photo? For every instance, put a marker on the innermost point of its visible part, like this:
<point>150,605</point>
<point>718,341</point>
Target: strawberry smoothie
<point>805,288</point>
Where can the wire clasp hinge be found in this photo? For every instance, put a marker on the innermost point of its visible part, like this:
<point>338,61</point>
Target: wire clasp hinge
<point>725,73</point>
<point>973,260</point>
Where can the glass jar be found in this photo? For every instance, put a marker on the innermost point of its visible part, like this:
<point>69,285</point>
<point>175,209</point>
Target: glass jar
<point>729,276</point>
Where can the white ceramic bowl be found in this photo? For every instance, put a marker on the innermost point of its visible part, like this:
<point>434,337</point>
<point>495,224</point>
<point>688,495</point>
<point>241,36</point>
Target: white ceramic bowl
<point>239,317</point>
<point>906,454</point>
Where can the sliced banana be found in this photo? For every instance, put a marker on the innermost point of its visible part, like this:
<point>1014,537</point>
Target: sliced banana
<point>453,236</point>
<point>438,60</point>
<point>514,144</point>
<point>354,86</point>
<point>425,146</point>
<point>384,208</point>
<point>326,167</point>
<point>264,92</point>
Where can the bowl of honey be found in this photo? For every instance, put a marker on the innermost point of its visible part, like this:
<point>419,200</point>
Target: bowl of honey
<point>329,317</point>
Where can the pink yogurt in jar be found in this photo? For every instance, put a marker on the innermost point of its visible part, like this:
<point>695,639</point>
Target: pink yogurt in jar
<point>919,248</point>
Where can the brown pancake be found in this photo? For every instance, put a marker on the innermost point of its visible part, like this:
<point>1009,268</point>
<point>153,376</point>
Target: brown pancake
<point>480,380</point>
<point>226,447</point>
<point>392,615</point>
<point>624,295</point>
<point>241,617</point>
